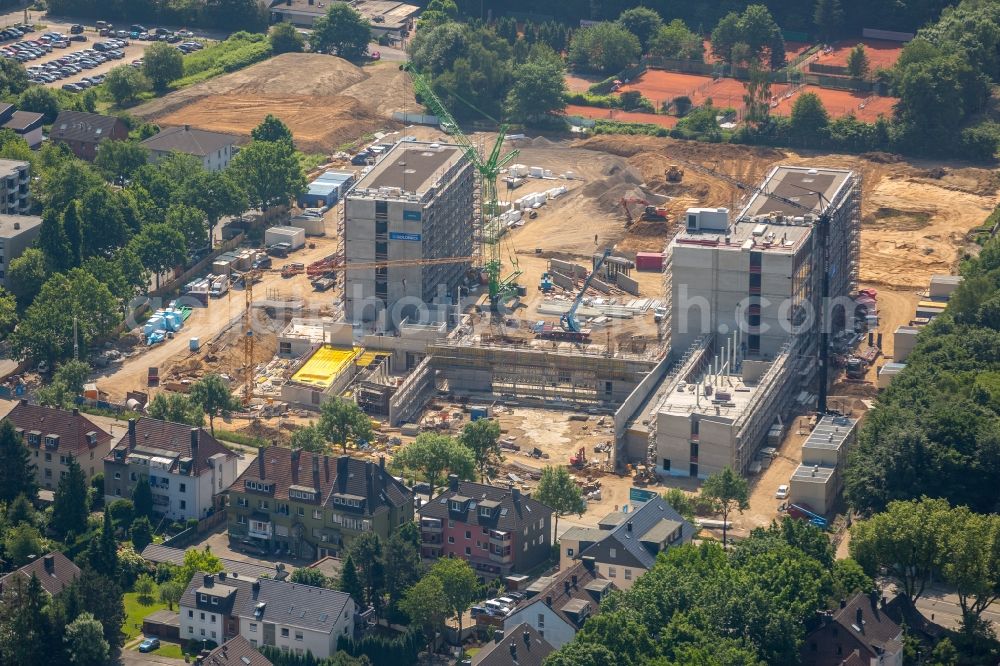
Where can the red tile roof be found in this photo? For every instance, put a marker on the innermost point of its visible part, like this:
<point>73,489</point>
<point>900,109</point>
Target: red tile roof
<point>71,427</point>
<point>55,571</point>
<point>154,437</point>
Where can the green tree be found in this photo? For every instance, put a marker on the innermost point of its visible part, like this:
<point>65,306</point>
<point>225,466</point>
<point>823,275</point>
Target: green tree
<point>53,242</point>
<point>271,129</point>
<point>757,99</point>
<point>110,218</point>
<point>755,28</point>
<point>142,498</point>
<point>70,507</point>
<point>125,84</point>
<point>46,330</point>
<point>350,582</point>
<point>212,395</point>
<point>307,576</point>
<point>22,543</point>
<point>858,65</point>
<point>309,438</point>
<point>538,90</point>
<point>558,491</point>
<point>67,383</point>
<point>73,229</point>
<point>17,472</point>
<point>122,513</point>
<point>159,247</point>
<point>104,598</point>
<point>676,40</point>
<point>427,606</point>
<point>8,312</point>
<point>269,172</point>
<point>102,553</point>
<point>907,540</point>
<point>285,38</point>
<point>849,579</point>
<point>459,583</point>
<point>436,456</point>
<point>24,623</point>
<point>171,592</point>
<point>366,552</point>
<point>85,641</point>
<point>482,437</point>
<point>118,160</point>
<point>176,408</point>
<point>13,77</point>
<point>342,421</point>
<point>642,22</point>
<point>341,31</point>
<point>40,99</point>
<point>141,533</point>
<point>162,63</point>
<point>828,17</point>
<point>438,12</point>
<point>809,120</point>
<point>215,193</point>
<point>727,491</point>
<point>972,562</point>
<point>586,654</point>
<point>604,47</point>
<point>191,223</point>
<point>26,276</point>
<point>145,589</point>
<point>20,511</point>
<point>681,502</point>
<point>401,563</point>
<point>197,560</point>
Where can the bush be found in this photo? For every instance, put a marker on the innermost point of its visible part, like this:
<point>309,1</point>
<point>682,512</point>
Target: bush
<point>618,127</point>
<point>240,50</point>
<point>599,101</point>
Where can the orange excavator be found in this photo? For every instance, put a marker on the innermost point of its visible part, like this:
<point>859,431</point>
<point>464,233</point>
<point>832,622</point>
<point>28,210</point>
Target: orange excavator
<point>650,213</point>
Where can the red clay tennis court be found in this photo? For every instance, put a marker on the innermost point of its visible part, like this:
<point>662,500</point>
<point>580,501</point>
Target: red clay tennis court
<point>792,50</point>
<point>581,84</point>
<point>881,52</point>
<point>595,113</point>
<point>839,103</point>
<point>661,86</point>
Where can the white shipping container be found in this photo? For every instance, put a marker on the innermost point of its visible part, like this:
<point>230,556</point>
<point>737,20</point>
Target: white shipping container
<point>536,172</point>
<point>295,236</point>
<point>518,170</point>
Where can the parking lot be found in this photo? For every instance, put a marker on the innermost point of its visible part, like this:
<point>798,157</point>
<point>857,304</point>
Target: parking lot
<point>62,53</point>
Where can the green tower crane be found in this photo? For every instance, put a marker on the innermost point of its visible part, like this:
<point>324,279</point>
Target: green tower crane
<point>488,169</point>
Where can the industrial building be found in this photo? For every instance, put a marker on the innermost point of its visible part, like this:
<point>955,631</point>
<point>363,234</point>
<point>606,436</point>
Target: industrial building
<point>415,205</point>
<point>819,480</point>
<point>388,18</point>
<point>742,296</point>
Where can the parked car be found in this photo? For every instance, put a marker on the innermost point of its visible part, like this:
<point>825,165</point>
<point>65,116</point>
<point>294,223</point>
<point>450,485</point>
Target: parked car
<point>279,249</point>
<point>78,38</point>
<point>149,645</point>
<point>782,492</point>
<point>75,29</point>
<point>71,87</point>
<point>262,262</point>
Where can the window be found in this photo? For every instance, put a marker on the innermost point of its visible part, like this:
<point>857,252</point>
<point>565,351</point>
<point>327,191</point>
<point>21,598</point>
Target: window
<point>202,632</point>
<point>242,501</point>
<point>451,523</point>
<point>204,600</point>
<point>253,642</point>
<point>611,572</point>
<point>213,634</point>
<point>190,613</point>
<point>468,534</point>
<point>628,574</point>
<point>215,602</point>
<point>131,476</point>
<point>666,464</point>
<point>190,630</point>
<point>183,488</point>
<point>317,514</point>
<point>183,504</point>
<point>301,511</point>
<point>48,473</point>
<point>468,550</point>
<point>485,511</point>
<point>451,539</point>
<point>241,519</point>
<point>202,617</point>
<point>48,457</point>
<point>284,632</point>
<point>253,627</point>
<point>541,621</point>
<point>569,552</point>
<point>118,476</point>
<point>118,492</point>
<point>614,553</point>
<point>298,635</point>
<point>694,451</point>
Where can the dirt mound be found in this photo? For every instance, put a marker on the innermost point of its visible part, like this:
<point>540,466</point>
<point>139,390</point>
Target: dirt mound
<point>324,100</point>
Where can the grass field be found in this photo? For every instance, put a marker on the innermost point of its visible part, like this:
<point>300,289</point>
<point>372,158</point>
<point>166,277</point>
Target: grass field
<point>135,610</point>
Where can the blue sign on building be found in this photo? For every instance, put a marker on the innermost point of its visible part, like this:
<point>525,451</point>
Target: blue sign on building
<point>411,215</point>
<point>398,235</point>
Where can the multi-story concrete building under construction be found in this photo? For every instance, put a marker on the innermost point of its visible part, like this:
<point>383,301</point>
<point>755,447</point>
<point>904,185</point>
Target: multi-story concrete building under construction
<point>416,204</point>
<point>744,296</point>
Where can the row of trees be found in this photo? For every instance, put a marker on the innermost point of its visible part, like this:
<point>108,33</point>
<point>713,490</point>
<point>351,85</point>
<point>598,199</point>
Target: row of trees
<point>703,605</point>
<point>222,14</point>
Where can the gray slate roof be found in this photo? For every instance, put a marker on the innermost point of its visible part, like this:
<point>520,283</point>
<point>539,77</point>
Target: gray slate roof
<point>568,590</point>
<point>651,521</point>
<point>55,571</point>
<point>157,553</point>
<point>237,651</point>
<point>521,646</point>
<point>293,604</point>
<point>233,589</point>
<point>82,126</point>
<point>188,140</point>
<point>514,509</point>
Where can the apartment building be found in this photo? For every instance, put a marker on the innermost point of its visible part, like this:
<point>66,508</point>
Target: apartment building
<point>499,531</point>
<point>209,608</point>
<point>17,234</point>
<point>15,197</point>
<point>312,506</point>
<point>55,436</point>
<point>186,468</point>
<point>415,204</point>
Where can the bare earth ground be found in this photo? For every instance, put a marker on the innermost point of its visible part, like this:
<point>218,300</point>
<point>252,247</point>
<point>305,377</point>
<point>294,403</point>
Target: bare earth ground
<point>324,100</point>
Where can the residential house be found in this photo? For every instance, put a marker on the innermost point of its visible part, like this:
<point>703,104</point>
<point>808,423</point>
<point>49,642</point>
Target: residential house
<point>312,506</point>
<point>235,652</point>
<point>209,608</point>
<point>557,606</point>
<point>186,467</point>
<point>54,436</point>
<point>27,125</point>
<point>625,545</point>
<point>17,234</point>
<point>499,531</point>
<point>15,177</point>
<point>54,571</point>
<point>859,632</point>
<point>296,618</point>
<point>83,132</point>
<point>521,646</point>
<point>212,148</point>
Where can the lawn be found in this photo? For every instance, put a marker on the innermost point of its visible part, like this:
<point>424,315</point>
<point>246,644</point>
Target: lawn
<point>135,610</point>
<point>172,650</point>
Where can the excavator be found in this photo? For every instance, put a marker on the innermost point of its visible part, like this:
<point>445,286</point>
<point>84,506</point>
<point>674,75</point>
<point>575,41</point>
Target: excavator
<point>673,174</point>
<point>650,213</point>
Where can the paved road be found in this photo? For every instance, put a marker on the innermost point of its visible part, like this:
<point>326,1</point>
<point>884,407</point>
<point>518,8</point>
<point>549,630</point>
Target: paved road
<point>941,606</point>
<point>132,658</point>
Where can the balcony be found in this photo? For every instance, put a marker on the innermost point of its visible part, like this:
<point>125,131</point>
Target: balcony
<point>501,558</point>
<point>499,538</point>
<point>431,525</point>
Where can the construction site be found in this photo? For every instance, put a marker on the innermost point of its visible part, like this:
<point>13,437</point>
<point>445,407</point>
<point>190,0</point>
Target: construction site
<point>540,281</point>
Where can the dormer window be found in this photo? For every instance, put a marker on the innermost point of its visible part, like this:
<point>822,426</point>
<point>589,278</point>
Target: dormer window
<point>52,441</point>
<point>457,506</point>
<point>34,438</point>
<point>258,485</point>
<point>91,438</point>
<point>485,512</point>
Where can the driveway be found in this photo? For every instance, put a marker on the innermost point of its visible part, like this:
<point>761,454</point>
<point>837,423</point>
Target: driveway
<point>133,658</point>
<point>218,543</point>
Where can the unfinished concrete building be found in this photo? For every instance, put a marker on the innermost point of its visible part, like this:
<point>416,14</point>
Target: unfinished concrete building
<point>818,481</point>
<point>416,204</point>
<point>743,296</point>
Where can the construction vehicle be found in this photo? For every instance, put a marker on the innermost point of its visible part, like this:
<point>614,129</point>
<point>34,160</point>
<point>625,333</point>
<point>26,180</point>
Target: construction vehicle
<point>546,285</point>
<point>488,166</point>
<point>324,265</point>
<point>288,270</point>
<point>674,174</point>
<point>643,476</point>
<point>569,328</point>
<point>650,213</point>
<point>580,459</point>
<point>324,283</point>
<point>857,365</point>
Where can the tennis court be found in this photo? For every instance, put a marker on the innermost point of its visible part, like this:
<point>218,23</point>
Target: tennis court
<point>792,50</point>
<point>881,53</point>
<point>594,113</point>
<point>661,86</point>
<point>839,103</point>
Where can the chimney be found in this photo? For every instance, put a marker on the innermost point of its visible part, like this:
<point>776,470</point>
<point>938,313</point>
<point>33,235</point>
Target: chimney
<point>628,526</point>
<point>859,619</point>
<point>515,494</point>
<point>24,401</point>
<point>873,598</point>
<point>131,434</point>
<point>76,411</point>
<point>326,466</point>
<point>513,651</point>
<point>381,464</point>
<point>315,460</point>
<point>222,575</point>
<point>497,636</point>
<point>256,588</point>
<point>296,455</point>
<point>260,461</point>
<point>843,603</point>
<point>527,637</point>
<point>187,128</point>
<point>566,586</point>
<point>574,580</point>
<point>342,464</point>
<point>209,580</point>
<point>588,562</point>
<point>50,563</point>
<point>548,600</point>
<point>194,443</point>
<point>453,481</point>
